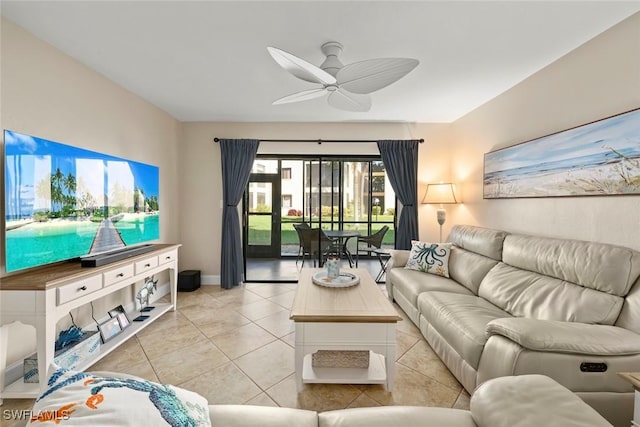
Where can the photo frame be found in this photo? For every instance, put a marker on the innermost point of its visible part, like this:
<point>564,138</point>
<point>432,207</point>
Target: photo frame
<point>123,320</point>
<point>601,158</point>
<point>109,329</point>
<point>119,313</point>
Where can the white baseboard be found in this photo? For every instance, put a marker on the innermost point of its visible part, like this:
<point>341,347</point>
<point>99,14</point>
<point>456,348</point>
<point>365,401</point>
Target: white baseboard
<point>210,279</point>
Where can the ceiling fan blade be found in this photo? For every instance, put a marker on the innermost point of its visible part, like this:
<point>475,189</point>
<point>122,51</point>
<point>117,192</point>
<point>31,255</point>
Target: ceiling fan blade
<point>349,101</point>
<point>373,74</point>
<point>301,96</point>
<point>301,68</point>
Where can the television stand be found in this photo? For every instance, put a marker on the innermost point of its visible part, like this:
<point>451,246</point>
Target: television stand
<point>108,258</point>
<point>43,296</point>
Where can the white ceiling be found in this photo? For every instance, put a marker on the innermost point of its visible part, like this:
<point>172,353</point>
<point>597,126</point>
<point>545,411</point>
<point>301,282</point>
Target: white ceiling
<point>207,60</point>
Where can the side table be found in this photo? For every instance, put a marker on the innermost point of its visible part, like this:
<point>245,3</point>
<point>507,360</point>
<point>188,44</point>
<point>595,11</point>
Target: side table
<point>383,255</point>
<point>634,379</point>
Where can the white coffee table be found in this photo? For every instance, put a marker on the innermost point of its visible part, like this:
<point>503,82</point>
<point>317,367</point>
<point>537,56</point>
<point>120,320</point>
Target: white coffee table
<point>359,317</point>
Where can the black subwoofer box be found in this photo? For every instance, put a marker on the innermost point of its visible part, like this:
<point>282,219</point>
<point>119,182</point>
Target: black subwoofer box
<point>188,280</point>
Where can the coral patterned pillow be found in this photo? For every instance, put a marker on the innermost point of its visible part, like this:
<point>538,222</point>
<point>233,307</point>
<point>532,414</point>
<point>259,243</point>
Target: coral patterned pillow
<point>430,258</point>
<point>73,398</point>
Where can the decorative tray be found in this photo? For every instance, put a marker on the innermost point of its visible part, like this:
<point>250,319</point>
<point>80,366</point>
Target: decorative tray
<point>342,281</point>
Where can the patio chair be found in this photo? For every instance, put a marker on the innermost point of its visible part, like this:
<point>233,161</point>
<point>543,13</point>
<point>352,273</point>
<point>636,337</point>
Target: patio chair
<point>315,244</point>
<point>298,228</point>
<point>372,241</point>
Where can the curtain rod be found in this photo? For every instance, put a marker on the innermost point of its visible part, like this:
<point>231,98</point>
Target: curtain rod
<point>319,141</point>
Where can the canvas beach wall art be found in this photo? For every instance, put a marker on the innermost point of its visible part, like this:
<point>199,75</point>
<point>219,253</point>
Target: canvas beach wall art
<point>596,159</point>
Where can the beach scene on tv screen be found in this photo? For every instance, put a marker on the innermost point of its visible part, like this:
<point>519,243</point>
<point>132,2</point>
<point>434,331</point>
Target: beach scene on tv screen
<point>64,202</point>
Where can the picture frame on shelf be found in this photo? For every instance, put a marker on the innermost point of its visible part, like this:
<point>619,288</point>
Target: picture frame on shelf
<point>119,313</point>
<point>109,329</point>
<point>123,320</point>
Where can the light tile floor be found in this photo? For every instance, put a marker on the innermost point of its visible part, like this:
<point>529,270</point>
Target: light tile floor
<point>236,346</point>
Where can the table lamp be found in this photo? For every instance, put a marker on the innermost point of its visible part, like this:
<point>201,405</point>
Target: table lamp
<point>442,193</point>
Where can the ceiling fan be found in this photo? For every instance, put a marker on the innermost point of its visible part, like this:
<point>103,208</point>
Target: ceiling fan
<point>348,86</point>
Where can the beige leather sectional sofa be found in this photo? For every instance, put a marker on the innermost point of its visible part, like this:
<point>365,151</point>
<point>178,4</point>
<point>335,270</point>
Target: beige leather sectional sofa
<point>527,401</point>
<point>524,401</point>
<point>517,304</point>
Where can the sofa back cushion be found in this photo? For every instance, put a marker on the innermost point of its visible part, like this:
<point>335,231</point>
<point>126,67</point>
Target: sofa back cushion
<point>483,241</point>
<point>606,268</point>
<point>561,279</point>
<point>524,293</point>
<point>468,268</point>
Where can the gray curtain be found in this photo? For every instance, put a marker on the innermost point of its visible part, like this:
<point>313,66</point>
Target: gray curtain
<point>237,159</point>
<point>400,159</point>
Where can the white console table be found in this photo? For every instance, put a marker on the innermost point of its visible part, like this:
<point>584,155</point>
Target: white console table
<point>43,296</point>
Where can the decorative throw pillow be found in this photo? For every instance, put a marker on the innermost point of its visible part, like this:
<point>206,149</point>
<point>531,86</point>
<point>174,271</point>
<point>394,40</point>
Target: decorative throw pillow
<point>75,398</point>
<point>429,257</point>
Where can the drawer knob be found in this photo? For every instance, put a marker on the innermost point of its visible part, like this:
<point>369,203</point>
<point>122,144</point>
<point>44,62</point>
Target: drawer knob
<point>82,288</point>
<point>147,265</point>
<point>120,275</point>
<point>168,257</point>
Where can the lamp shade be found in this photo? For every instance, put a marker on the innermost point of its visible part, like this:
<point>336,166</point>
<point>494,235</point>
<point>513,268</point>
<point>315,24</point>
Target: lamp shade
<point>440,193</point>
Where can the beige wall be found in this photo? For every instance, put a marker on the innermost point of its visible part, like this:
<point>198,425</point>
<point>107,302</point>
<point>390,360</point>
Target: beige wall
<point>48,94</point>
<point>201,179</point>
<point>597,80</point>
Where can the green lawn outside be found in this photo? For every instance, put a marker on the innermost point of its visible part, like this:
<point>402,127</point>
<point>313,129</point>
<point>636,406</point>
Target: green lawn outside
<point>260,229</point>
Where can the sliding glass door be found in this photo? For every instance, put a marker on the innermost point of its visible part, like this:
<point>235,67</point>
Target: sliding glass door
<point>332,193</point>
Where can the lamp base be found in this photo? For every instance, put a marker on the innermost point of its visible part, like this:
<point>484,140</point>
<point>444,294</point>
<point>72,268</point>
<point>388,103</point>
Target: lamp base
<point>442,217</point>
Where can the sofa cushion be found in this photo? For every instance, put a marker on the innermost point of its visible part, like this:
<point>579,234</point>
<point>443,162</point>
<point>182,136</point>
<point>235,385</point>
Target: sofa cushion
<point>606,268</point>
<point>411,283</point>
<point>630,314</point>
<point>530,400</point>
<point>461,320</point>
<point>405,416</point>
<point>82,399</point>
<point>469,268</point>
<point>432,258</point>
<point>527,294</point>
<point>263,416</point>
<point>483,241</point>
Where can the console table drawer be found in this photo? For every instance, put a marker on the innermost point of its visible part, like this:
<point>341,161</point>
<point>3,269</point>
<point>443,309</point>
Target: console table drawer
<point>77,289</point>
<point>146,264</point>
<point>117,274</point>
<point>168,257</point>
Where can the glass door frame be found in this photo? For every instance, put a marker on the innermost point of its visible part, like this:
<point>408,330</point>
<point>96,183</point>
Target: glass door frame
<point>276,222</point>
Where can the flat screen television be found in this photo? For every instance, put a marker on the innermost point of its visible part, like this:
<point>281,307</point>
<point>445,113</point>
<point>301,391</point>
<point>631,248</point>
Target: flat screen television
<point>63,202</point>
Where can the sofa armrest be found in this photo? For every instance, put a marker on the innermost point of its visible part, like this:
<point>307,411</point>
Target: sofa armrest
<point>566,337</point>
<point>530,400</point>
<point>399,258</point>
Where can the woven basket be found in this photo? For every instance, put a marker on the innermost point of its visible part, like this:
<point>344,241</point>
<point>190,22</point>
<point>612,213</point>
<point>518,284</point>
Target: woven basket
<point>340,359</point>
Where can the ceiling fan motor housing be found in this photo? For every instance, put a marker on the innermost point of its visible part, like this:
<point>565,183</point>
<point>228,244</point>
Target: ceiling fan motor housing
<point>332,64</point>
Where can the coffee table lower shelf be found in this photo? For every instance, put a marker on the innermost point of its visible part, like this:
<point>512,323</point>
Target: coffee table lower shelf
<point>374,374</point>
